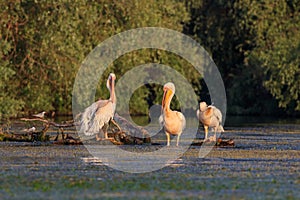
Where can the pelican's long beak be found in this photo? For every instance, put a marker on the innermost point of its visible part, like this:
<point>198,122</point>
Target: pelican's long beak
<point>163,103</point>
<point>111,81</point>
<point>166,97</point>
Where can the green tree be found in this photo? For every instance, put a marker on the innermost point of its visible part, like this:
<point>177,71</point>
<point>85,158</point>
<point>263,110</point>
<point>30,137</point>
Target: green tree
<point>10,102</point>
<point>44,43</point>
<point>255,44</point>
<point>277,50</point>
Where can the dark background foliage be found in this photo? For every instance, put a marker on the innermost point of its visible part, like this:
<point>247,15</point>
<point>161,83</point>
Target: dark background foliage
<point>255,45</point>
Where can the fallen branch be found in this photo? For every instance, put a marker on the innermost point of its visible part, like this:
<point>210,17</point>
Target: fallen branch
<point>50,122</point>
<point>42,135</point>
<point>130,134</point>
<point>219,143</point>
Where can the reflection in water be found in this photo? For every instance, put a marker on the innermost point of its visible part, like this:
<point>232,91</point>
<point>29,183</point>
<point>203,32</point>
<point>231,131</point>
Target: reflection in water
<point>97,161</point>
<point>93,161</point>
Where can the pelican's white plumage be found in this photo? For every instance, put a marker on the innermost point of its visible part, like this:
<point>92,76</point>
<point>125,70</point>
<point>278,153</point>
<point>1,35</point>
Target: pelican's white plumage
<point>210,116</point>
<point>96,117</point>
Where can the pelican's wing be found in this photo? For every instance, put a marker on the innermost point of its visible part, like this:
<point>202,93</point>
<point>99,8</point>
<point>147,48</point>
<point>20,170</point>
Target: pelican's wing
<point>102,103</point>
<point>218,119</point>
<point>208,113</point>
<point>102,116</point>
<point>161,120</point>
<point>217,114</point>
<point>182,119</point>
<point>95,116</point>
<point>86,117</point>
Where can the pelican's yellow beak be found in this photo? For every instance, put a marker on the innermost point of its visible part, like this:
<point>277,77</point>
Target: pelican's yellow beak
<point>167,94</point>
<point>163,100</point>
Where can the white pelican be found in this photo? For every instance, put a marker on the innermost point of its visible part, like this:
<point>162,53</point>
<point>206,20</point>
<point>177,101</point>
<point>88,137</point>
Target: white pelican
<point>210,116</point>
<point>97,116</point>
<point>40,115</point>
<point>172,121</point>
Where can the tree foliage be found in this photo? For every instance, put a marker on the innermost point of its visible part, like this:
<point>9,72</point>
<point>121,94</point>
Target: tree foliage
<point>277,49</point>
<point>255,44</point>
<point>43,44</point>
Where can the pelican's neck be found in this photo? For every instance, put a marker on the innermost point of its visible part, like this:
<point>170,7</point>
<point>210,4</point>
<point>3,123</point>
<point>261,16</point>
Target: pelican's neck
<point>168,98</point>
<point>112,92</point>
<point>203,109</point>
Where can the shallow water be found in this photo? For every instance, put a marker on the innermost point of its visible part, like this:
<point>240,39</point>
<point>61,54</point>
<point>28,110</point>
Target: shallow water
<point>264,164</point>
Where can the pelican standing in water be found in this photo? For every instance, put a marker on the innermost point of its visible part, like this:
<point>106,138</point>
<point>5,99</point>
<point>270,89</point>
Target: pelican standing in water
<point>172,121</point>
<point>97,116</point>
<point>210,116</point>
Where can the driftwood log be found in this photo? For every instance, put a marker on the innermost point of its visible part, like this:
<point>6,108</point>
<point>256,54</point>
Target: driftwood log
<point>42,136</point>
<point>14,137</point>
<point>219,143</point>
<point>130,134</point>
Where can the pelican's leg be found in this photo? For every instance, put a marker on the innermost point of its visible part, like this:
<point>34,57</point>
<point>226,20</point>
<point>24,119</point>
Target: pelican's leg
<point>215,136</point>
<point>168,138</point>
<point>105,127</point>
<point>178,136</point>
<point>115,123</point>
<point>206,132</point>
<point>97,137</point>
